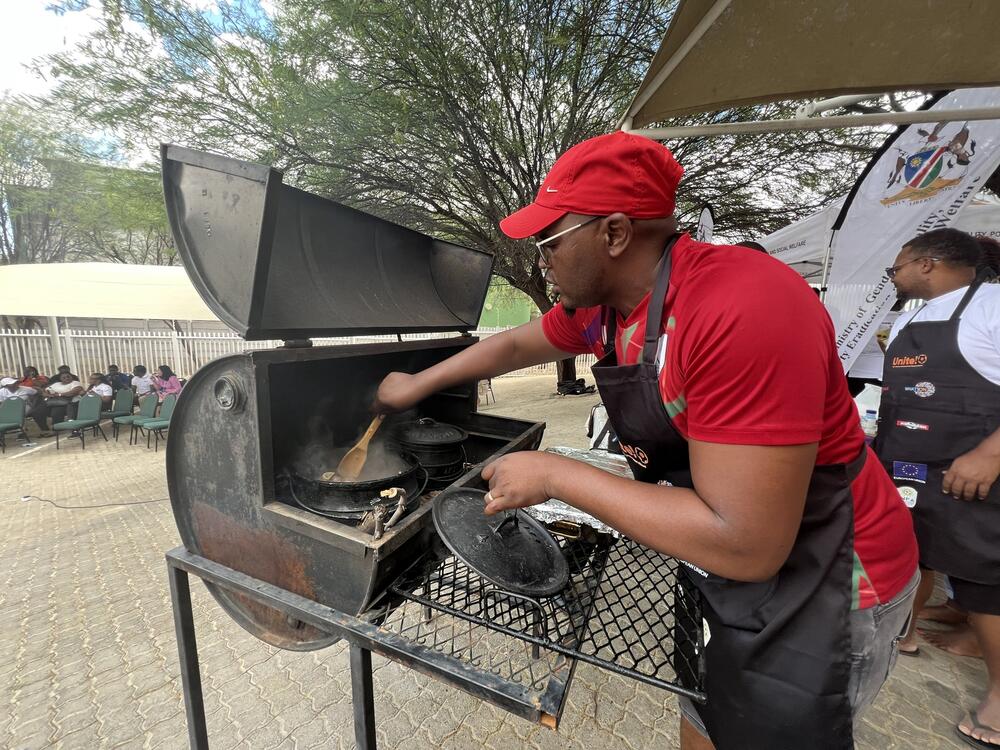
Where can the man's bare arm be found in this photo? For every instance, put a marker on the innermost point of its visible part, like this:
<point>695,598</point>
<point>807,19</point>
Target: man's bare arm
<point>519,347</point>
<point>972,474</point>
<point>740,523</point>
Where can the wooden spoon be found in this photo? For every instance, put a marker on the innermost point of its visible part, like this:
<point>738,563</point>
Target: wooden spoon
<point>353,461</point>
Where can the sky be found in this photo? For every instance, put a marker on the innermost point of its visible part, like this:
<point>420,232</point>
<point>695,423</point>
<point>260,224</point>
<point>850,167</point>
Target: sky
<point>27,31</point>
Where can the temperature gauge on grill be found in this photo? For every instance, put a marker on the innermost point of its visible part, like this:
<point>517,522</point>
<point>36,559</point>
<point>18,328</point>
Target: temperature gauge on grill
<point>228,394</point>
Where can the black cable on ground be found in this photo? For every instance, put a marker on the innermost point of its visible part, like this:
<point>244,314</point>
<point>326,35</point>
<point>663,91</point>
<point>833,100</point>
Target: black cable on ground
<point>26,498</point>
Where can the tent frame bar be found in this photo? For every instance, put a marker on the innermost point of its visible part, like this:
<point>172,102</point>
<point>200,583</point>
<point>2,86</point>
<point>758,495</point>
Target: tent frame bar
<point>825,105</point>
<point>668,67</point>
<point>819,123</point>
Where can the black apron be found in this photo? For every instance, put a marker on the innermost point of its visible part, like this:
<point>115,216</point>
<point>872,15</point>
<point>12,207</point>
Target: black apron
<point>935,407</point>
<point>777,661</point>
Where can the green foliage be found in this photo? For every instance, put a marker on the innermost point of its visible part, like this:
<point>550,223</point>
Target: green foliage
<point>30,229</point>
<point>443,115</point>
<point>57,203</point>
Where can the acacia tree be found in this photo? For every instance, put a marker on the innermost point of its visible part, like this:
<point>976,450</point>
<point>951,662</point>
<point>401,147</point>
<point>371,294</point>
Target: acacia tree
<point>443,115</point>
<point>31,226</point>
<point>59,203</point>
<point>117,214</point>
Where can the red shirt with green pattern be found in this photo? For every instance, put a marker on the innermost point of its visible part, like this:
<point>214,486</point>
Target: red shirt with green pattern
<point>747,357</point>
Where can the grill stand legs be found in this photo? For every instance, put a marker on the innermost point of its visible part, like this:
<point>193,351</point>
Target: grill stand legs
<point>187,647</point>
<point>362,689</point>
<point>363,695</point>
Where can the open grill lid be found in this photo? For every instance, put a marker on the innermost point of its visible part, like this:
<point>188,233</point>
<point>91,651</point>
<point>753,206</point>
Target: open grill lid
<point>274,262</point>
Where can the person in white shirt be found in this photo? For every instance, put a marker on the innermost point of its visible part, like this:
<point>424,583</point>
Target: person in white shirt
<point>978,328</point>
<point>9,388</point>
<point>939,436</point>
<point>142,382</point>
<point>97,387</point>
<point>34,408</point>
<point>61,397</point>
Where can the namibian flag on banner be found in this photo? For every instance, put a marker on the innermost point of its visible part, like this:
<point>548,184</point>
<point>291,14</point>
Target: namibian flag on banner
<point>923,168</point>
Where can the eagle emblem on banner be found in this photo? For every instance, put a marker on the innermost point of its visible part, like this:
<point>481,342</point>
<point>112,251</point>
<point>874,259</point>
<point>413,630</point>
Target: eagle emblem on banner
<point>931,166</point>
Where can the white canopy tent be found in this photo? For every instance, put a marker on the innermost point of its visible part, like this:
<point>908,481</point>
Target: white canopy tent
<point>100,290</point>
<point>724,54</point>
<point>803,244</point>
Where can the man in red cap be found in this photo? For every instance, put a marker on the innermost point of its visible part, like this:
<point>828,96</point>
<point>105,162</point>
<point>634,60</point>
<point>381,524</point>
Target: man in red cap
<point>720,375</point>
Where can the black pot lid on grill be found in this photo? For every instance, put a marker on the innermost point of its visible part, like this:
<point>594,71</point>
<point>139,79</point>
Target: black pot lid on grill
<point>515,552</point>
<point>430,433</point>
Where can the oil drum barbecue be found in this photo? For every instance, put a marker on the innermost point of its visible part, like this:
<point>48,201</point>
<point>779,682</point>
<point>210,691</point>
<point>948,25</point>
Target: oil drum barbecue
<point>302,561</point>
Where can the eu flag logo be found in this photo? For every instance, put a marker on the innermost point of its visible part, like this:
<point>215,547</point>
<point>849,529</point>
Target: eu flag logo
<point>909,472</point>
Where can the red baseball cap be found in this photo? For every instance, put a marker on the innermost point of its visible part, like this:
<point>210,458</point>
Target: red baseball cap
<point>603,175</point>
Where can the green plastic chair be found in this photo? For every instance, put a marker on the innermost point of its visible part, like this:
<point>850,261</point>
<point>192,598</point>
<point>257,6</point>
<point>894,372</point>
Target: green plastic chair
<point>147,410</point>
<point>122,406</point>
<point>12,412</point>
<point>155,427</point>
<point>88,416</point>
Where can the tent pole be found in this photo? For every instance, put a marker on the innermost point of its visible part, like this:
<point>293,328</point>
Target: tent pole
<point>826,267</point>
<point>825,105</point>
<point>55,345</point>
<point>710,17</point>
<point>821,123</point>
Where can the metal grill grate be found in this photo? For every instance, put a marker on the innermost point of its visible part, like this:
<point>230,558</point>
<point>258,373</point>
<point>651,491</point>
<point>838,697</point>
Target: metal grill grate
<point>626,609</point>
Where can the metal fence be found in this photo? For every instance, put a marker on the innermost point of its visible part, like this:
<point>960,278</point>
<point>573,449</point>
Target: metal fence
<point>93,351</point>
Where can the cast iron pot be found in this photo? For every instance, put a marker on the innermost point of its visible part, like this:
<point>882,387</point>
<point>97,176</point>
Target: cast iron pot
<point>439,447</point>
<point>349,501</point>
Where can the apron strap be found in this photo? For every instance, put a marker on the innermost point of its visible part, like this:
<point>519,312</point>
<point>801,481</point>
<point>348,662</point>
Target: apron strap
<point>966,299</point>
<point>654,313</point>
<point>610,326</point>
<point>854,467</point>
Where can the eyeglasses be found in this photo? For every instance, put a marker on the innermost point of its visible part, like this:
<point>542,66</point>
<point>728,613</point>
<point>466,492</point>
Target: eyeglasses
<point>546,253</point>
<point>890,271</point>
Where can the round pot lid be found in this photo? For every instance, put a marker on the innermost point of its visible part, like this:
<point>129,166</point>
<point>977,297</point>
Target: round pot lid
<point>430,432</point>
<point>513,551</point>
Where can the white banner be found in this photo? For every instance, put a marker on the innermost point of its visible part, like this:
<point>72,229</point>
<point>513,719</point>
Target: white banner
<point>803,243</point>
<point>706,225</point>
<point>921,182</point>
<point>805,240</point>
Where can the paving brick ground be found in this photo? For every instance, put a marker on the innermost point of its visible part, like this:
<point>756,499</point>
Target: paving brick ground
<point>88,658</point>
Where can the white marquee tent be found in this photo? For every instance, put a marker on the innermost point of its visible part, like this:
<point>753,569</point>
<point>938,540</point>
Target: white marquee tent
<point>100,290</point>
<point>803,244</point>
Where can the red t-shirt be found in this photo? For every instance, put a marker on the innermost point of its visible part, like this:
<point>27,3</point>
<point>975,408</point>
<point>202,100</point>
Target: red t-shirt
<point>750,360</point>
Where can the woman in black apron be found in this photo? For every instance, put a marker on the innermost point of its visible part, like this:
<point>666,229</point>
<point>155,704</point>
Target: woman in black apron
<point>935,408</point>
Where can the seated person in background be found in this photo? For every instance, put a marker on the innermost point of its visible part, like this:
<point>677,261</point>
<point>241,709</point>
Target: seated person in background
<point>142,382</point>
<point>97,387</point>
<point>117,379</point>
<point>34,407</point>
<point>165,382</point>
<point>61,397</point>
<point>59,372</point>
<point>30,378</point>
